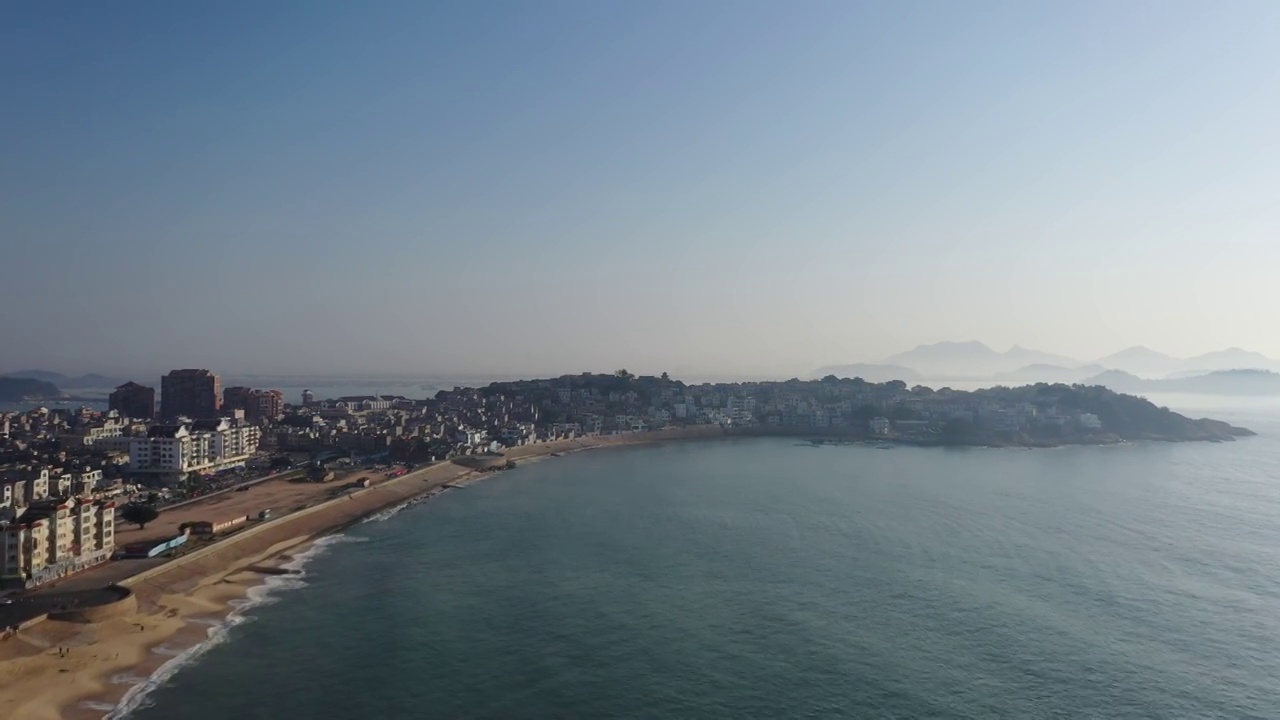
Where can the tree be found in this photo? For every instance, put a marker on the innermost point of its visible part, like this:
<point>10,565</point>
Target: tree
<point>139,514</point>
<point>865,412</point>
<point>665,377</point>
<point>957,431</point>
<point>623,374</point>
<point>902,412</point>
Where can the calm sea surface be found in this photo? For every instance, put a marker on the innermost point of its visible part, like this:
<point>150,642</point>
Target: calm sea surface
<point>763,579</point>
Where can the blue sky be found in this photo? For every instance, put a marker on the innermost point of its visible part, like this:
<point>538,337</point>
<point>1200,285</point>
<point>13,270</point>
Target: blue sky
<point>737,187</point>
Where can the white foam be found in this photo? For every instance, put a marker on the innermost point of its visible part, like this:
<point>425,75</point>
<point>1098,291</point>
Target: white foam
<point>141,687</point>
<point>397,509</point>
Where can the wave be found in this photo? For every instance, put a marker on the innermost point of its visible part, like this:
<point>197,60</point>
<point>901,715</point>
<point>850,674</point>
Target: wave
<point>397,509</point>
<point>138,696</point>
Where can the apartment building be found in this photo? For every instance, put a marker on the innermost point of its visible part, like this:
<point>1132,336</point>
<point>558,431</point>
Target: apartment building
<point>195,394</point>
<point>173,451</point>
<point>258,405</point>
<point>132,400</point>
<point>53,536</point>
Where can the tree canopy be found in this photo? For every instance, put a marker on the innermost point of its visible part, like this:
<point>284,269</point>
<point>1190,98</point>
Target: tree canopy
<point>139,514</point>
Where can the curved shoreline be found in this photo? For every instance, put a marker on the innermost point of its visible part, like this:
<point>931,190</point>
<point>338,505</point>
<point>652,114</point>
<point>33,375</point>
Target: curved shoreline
<point>187,605</point>
<point>183,603</point>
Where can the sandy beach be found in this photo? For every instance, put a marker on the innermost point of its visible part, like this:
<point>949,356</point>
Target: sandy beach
<point>80,671</point>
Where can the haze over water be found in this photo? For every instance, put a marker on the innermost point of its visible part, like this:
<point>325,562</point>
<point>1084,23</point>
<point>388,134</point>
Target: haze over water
<point>763,578</point>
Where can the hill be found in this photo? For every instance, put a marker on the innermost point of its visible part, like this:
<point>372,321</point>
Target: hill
<point>1144,361</point>
<point>972,360</point>
<point>1139,360</point>
<point>15,389</point>
<point>1124,416</point>
<point>976,361</point>
<point>1051,373</point>
<point>1223,382</point>
<point>91,380</point>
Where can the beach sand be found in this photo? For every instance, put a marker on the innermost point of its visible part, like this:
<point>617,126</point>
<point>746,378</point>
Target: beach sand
<point>180,604</point>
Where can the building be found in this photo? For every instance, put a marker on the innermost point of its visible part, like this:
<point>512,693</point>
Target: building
<point>362,403</point>
<point>236,398</point>
<point>90,432</point>
<point>53,537</point>
<point>267,405</point>
<point>195,394</point>
<point>132,400</point>
<point>206,446</point>
<point>258,405</point>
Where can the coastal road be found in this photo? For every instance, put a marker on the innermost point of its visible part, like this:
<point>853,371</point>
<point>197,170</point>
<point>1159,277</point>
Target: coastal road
<point>278,494</point>
<point>98,577</point>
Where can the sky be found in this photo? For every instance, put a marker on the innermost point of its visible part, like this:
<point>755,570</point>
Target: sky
<point>731,187</point>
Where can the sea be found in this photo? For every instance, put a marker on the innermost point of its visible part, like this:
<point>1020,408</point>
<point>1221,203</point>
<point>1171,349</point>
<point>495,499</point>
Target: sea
<point>768,578</point>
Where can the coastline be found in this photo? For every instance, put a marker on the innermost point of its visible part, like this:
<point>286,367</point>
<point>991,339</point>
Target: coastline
<point>186,606</point>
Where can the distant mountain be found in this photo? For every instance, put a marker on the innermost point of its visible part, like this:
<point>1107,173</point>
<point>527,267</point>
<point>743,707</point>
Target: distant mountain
<point>1041,372</point>
<point>1149,363</point>
<point>46,375</point>
<point>971,360</point>
<point>15,389</point>
<point>92,380</point>
<point>869,372</point>
<point>1221,382</point>
<point>976,361</point>
<point>1232,359</point>
<point>1140,360</point>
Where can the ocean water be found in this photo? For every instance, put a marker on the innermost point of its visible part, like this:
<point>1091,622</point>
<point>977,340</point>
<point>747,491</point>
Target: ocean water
<point>766,579</point>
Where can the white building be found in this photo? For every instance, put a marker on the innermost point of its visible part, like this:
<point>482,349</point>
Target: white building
<point>204,446</point>
<point>93,431</point>
<point>363,403</point>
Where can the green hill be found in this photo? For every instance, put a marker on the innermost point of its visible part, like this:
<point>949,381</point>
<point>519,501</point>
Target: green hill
<point>12,389</point>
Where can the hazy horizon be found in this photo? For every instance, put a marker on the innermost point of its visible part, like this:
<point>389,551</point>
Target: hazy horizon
<point>734,190</point>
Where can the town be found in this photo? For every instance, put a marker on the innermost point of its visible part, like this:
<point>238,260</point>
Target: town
<point>67,477</point>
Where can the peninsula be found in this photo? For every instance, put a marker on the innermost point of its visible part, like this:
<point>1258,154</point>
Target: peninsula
<point>177,513</point>
<point>16,389</point>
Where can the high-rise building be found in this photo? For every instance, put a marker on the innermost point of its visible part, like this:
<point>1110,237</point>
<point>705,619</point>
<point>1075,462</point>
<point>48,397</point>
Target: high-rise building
<point>195,394</point>
<point>237,398</point>
<point>258,405</point>
<point>135,401</point>
<point>268,404</point>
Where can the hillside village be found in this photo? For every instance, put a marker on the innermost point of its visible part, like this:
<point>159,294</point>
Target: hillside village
<point>61,470</point>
